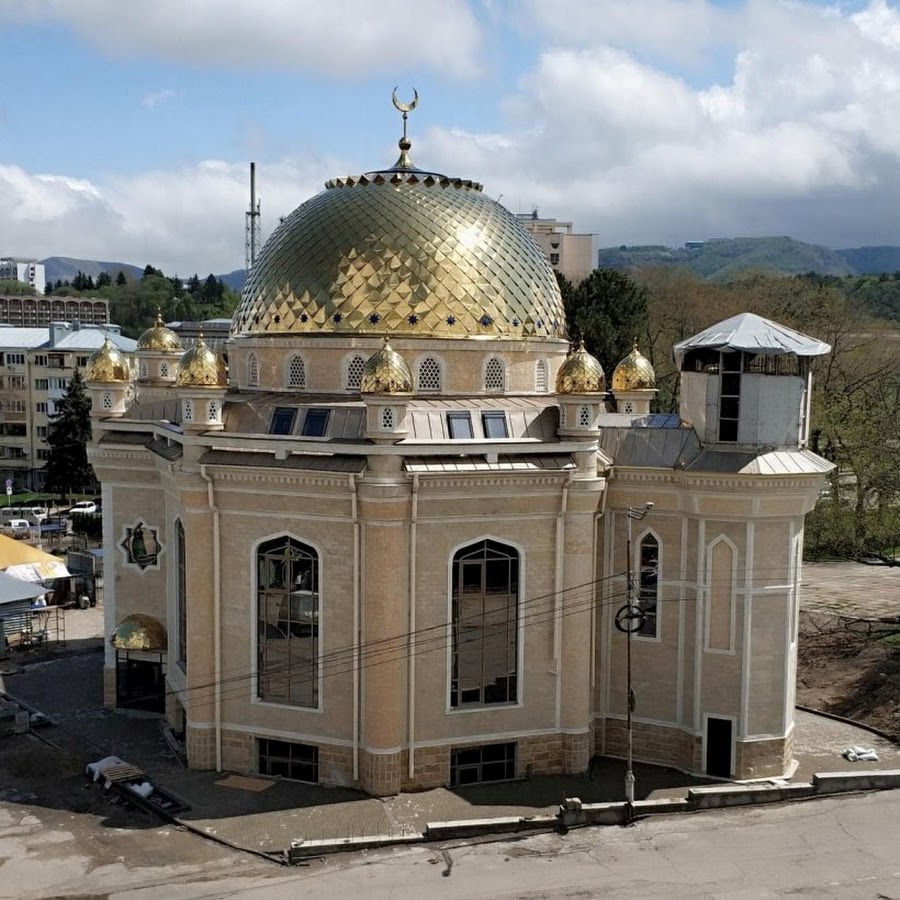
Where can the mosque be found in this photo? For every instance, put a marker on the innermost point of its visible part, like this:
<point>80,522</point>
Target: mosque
<point>410,537</point>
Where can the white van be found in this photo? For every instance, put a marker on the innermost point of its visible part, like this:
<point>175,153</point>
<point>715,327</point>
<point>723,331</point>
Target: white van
<point>34,515</point>
<point>16,525</point>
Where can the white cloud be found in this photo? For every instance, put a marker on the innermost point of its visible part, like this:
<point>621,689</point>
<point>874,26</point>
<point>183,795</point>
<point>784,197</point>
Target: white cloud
<point>339,39</point>
<point>155,98</point>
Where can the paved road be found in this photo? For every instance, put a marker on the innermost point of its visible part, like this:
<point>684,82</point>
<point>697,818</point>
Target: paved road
<point>834,848</point>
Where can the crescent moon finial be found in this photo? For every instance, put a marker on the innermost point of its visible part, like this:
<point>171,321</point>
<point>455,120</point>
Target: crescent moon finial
<point>405,107</point>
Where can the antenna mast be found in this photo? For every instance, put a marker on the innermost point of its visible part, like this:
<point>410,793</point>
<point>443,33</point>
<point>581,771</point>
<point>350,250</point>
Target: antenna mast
<point>251,228</point>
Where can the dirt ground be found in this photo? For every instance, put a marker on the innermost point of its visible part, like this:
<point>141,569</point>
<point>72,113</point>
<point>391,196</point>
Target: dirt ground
<point>850,666</point>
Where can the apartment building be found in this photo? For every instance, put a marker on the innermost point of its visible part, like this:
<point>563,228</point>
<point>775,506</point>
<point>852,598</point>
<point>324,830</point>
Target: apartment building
<point>572,255</point>
<point>39,312</point>
<point>36,367</point>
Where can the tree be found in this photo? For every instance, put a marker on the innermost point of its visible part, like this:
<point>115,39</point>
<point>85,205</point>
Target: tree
<point>104,280</point>
<point>607,310</point>
<point>67,469</point>
<point>121,280</point>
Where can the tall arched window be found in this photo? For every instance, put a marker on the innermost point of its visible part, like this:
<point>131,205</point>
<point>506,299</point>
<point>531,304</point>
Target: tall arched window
<point>540,376</point>
<point>287,631</point>
<point>296,372</point>
<point>181,596</point>
<point>494,379</point>
<point>252,371</point>
<point>485,616</point>
<point>355,367</point>
<point>648,585</point>
<point>429,374</point>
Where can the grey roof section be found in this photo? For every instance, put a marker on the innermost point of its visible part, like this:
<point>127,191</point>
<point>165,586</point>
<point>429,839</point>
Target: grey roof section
<point>14,590</point>
<point>548,462</point>
<point>165,449</point>
<point>753,334</point>
<point>92,338</point>
<point>772,462</point>
<point>660,448</point>
<point>16,338</point>
<point>629,420</point>
<point>137,438</point>
<point>312,462</point>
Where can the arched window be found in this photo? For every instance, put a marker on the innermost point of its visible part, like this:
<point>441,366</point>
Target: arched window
<point>296,373</point>
<point>494,375</point>
<point>355,367</point>
<point>181,596</point>
<point>188,410</point>
<point>485,616</point>
<point>648,585</point>
<point>163,370</point>
<point>287,630</point>
<point>584,416</point>
<point>387,417</point>
<point>540,376</point>
<point>429,374</point>
<point>144,368</point>
<point>252,371</point>
<point>107,400</point>
<point>212,411</point>
<point>720,606</point>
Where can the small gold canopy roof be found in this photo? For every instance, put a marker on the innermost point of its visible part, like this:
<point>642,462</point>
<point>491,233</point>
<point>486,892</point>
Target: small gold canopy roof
<point>581,373</point>
<point>107,365</point>
<point>634,373</point>
<point>201,367</point>
<point>386,372</point>
<point>159,338</point>
<point>140,632</point>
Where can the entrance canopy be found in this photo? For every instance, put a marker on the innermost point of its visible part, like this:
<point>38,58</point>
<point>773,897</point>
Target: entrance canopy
<point>140,632</point>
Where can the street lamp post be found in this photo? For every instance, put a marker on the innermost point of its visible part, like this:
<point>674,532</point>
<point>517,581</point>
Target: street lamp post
<point>629,619</point>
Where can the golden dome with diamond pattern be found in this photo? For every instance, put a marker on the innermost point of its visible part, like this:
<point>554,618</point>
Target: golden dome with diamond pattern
<point>634,373</point>
<point>159,338</point>
<point>201,367</point>
<point>402,251</point>
<point>581,373</point>
<point>107,365</point>
<point>386,372</point>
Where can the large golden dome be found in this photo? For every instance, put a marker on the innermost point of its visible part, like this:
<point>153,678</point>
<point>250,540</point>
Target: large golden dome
<point>402,252</point>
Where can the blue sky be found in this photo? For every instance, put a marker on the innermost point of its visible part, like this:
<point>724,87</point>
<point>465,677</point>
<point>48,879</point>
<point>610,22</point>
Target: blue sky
<point>126,128</point>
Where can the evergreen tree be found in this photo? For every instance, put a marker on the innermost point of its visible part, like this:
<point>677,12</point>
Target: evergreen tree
<point>67,469</point>
<point>121,280</point>
<point>104,280</point>
<point>608,311</point>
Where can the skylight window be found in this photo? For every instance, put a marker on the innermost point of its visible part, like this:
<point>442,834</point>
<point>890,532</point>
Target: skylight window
<point>494,423</point>
<point>315,423</point>
<point>459,425</point>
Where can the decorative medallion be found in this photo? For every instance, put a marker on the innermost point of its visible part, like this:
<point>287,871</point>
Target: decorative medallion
<point>141,545</point>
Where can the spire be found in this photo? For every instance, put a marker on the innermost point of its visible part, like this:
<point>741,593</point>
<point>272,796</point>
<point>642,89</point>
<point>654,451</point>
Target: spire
<point>404,161</point>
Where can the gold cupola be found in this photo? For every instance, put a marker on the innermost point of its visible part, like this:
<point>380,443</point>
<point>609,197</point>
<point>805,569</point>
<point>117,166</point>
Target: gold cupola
<point>581,373</point>
<point>386,372</point>
<point>159,338</point>
<point>201,367</point>
<point>385,387</point>
<point>108,378</point>
<point>107,365</point>
<point>201,382</point>
<point>634,384</point>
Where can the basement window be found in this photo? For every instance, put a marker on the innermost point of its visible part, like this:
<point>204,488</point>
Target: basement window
<point>479,765</point>
<point>299,762</point>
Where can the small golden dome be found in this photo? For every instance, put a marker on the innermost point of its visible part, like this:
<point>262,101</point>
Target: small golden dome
<point>634,373</point>
<point>107,365</point>
<point>201,367</point>
<point>581,373</point>
<point>159,338</point>
<point>386,372</point>
<point>140,632</point>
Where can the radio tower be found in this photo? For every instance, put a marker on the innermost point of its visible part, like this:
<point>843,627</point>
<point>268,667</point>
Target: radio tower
<point>251,228</point>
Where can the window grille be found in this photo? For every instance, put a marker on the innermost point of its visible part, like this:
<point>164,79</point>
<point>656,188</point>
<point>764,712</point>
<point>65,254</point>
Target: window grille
<point>540,376</point>
<point>493,375</point>
<point>188,410</point>
<point>252,370</point>
<point>354,373</point>
<point>107,400</point>
<point>648,585</point>
<point>477,765</point>
<point>163,370</point>
<point>285,759</point>
<point>387,418</point>
<point>584,416</point>
<point>296,373</point>
<point>213,411</point>
<point>144,368</point>
<point>429,375</point>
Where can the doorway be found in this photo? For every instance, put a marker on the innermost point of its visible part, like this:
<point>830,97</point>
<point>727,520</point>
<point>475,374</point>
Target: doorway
<point>718,746</point>
<point>140,681</point>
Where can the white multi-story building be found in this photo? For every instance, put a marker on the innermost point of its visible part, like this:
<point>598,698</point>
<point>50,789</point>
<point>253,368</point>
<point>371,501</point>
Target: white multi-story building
<point>572,255</point>
<point>36,366</point>
<point>28,271</point>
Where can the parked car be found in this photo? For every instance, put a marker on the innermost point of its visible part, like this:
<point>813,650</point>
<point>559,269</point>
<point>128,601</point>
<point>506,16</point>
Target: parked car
<point>83,507</point>
<point>17,524</point>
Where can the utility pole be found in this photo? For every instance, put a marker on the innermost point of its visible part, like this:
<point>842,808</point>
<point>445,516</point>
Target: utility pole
<point>251,229</point>
<point>630,618</point>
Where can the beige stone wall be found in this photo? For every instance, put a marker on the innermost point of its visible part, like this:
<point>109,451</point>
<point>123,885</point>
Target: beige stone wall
<point>326,357</point>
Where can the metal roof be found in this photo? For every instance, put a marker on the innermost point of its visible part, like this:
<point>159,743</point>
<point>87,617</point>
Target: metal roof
<point>753,334</point>
<point>313,462</point>
<point>14,590</point>
<point>554,462</point>
<point>773,462</point>
<point>661,448</point>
